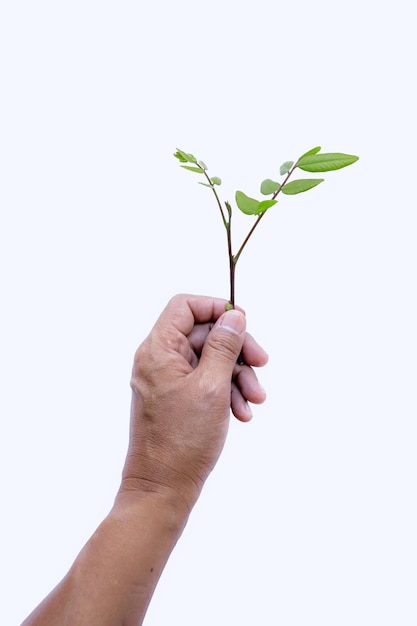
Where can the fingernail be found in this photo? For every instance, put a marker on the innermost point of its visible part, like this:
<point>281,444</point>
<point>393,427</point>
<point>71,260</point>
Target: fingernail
<point>234,321</point>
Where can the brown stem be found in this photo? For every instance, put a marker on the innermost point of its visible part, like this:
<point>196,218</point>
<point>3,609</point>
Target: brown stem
<point>232,261</point>
<point>219,204</point>
<point>232,282</point>
<point>248,236</point>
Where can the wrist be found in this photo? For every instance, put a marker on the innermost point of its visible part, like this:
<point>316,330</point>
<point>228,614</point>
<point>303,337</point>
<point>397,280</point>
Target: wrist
<point>173,503</point>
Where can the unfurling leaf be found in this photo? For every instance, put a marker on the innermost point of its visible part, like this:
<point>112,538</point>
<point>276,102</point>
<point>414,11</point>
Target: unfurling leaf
<point>285,167</point>
<point>246,204</point>
<point>300,185</point>
<point>310,152</point>
<point>325,162</point>
<point>185,157</point>
<point>180,155</point>
<point>202,164</point>
<point>269,186</point>
<point>190,168</point>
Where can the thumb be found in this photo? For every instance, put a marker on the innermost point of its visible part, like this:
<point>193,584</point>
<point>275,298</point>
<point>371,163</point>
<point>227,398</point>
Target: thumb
<point>223,344</point>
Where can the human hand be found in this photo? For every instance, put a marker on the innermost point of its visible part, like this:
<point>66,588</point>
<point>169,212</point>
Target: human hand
<point>185,380</point>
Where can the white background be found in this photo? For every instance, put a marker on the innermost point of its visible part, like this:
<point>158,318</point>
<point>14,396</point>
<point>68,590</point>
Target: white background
<point>310,516</point>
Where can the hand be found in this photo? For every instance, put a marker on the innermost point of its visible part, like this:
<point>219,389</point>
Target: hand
<point>185,380</point>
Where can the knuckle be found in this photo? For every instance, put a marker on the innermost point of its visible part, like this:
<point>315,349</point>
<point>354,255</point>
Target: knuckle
<point>226,345</point>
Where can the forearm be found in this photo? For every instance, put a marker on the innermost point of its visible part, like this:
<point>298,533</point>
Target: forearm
<point>114,576</point>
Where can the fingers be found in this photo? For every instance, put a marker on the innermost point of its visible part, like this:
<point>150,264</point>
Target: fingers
<point>245,388</point>
<point>200,330</point>
<point>245,379</point>
<point>181,318</point>
<point>240,408</point>
<point>252,353</point>
<point>194,316</point>
<point>184,311</point>
<point>198,336</point>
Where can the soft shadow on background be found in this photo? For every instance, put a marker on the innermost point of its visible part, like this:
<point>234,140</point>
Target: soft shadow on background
<point>310,515</point>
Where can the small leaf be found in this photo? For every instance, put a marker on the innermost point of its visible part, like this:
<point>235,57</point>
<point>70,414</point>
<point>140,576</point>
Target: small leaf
<point>300,185</point>
<point>269,186</point>
<point>310,152</point>
<point>326,162</point>
<point>197,170</point>
<point>206,185</point>
<point>246,204</point>
<point>285,167</point>
<point>228,306</point>
<point>180,155</point>
<point>264,205</point>
<point>216,180</point>
<point>202,165</point>
<point>185,157</point>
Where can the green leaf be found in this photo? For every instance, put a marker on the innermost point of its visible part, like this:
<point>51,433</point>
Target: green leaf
<point>180,155</point>
<point>246,204</point>
<point>265,204</point>
<point>269,186</point>
<point>312,151</point>
<point>197,170</point>
<point>185,157</point>
<point>285,167</point>
<point>191,158</point>
<point>202,164</point>
<point>214,181</point>
<point>250,206</point>
<point>326,162</point>
<point>300,185</point>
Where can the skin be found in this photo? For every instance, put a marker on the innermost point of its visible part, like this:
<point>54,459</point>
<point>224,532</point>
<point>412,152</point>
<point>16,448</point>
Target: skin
<point>187,378</point>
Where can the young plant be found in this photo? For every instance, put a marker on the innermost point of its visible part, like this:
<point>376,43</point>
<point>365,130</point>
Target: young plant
<point>311,161</point>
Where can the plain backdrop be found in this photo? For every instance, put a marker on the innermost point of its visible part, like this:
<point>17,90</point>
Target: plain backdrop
<point>310,516</point>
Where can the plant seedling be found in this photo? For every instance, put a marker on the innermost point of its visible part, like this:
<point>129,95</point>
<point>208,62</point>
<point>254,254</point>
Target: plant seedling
<point>312,161</point>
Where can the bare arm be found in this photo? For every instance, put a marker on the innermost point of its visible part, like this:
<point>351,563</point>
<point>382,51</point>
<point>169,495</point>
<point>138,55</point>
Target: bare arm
<point>185,381</point>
